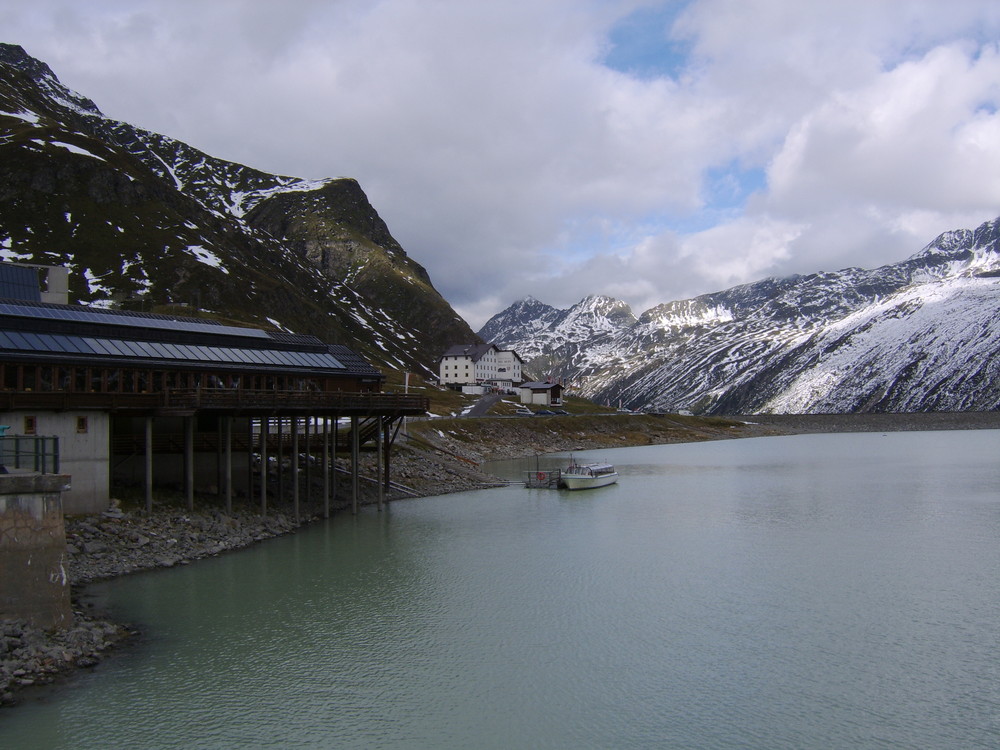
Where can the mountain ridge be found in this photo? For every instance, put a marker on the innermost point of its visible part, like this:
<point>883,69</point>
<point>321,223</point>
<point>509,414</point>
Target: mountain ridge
<point>917,335</point>
<point>145,221</point>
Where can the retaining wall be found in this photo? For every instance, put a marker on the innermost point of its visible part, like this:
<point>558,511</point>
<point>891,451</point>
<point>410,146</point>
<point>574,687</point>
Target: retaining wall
<point>33,581</point>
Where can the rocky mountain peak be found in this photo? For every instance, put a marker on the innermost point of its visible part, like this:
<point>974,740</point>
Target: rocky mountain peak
<point>148,222</point>
<point>919,335</point>
<point>44,79</point>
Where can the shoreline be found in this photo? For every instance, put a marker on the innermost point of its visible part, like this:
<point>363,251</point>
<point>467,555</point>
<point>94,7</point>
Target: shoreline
<point>442,457</point>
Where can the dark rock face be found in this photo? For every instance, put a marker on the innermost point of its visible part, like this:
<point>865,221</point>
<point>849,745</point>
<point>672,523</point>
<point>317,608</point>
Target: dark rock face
<point>146,221</point>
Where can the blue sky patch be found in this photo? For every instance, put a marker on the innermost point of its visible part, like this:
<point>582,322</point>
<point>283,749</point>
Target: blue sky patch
<point>641,43</point>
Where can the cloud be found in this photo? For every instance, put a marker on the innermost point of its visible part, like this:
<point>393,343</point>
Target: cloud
<point>544,148</point>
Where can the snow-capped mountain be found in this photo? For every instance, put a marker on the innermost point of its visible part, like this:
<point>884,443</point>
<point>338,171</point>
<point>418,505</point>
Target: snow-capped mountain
<point>145,221</point>
<point>919,335</point>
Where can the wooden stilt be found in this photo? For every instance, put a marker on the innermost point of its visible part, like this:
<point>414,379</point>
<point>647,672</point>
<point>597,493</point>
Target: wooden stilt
<point>355,455</point>
<point>189,461</point>
<point>250,444</point>
<point>326,467</point>
<point>309,456</point>
<point>387,441</point>
<point>149,466</point>
<point>280,457</point>
<point>295,467</point>
<point>263,465</point>
<point>378,462</point>
<point>333,458</point>
<point>227,479</point>
<point>220,457</point>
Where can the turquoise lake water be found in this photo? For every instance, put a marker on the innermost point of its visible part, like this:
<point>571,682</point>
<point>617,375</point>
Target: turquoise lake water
<point>819,591</point>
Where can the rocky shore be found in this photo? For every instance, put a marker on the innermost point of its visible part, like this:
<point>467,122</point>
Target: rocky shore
<point>438,457</point>
<point>124,540</point>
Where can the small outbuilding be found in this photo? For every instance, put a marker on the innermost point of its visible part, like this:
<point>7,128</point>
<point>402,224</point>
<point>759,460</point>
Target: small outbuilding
<point>542,394</point>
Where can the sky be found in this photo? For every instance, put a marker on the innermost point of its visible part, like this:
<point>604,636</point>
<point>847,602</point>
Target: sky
<point>649,151</point>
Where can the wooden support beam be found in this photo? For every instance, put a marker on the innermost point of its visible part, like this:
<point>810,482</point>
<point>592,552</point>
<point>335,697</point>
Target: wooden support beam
<point>378,466</point>
<point>326,467</point>
<point>189,461</point>
<point>355,463</point>
<point>309,455</point>
<point>263,465</point>
<point>295,467</point>
<point>228,462</point>
<point>333,459</point>
<point>149,466</point>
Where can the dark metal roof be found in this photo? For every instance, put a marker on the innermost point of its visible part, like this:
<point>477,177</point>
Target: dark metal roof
<point>27,342</point>
<point>352,360</point>
<point>70,334</point>
<point>78,313</point>
<point>476,351</point>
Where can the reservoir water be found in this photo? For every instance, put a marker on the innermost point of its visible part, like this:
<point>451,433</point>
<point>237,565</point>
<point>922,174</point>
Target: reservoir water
<point>819,591</point>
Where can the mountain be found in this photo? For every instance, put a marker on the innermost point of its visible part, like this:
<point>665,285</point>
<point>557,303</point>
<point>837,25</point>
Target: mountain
<point>919,335</point>
<point>148,222</point>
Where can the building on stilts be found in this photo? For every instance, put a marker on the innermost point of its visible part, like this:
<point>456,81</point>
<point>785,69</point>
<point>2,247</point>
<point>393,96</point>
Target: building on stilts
<point>190,403</point>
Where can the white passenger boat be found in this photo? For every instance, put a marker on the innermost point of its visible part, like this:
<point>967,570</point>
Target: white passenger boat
<point>584,476</point>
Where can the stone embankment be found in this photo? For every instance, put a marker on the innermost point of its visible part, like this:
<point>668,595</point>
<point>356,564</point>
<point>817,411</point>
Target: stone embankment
<point>438,457</point>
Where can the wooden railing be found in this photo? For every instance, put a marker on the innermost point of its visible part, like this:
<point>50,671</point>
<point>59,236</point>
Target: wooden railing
<point>346,403</point>
<point>221,399</point>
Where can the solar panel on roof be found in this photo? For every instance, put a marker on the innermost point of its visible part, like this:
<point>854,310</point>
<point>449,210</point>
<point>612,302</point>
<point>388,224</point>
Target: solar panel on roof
<point>18,282</point>
<point>127,349</point>
<point>125,318</point>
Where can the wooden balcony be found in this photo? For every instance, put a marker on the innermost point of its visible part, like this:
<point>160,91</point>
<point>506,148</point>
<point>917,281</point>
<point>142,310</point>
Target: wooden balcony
<point>231,402</point>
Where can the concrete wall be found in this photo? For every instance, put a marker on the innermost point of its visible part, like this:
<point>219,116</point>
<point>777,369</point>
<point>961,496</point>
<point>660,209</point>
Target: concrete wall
<point>540,398</point>
<point>84,449</point>
<point>33,582</point>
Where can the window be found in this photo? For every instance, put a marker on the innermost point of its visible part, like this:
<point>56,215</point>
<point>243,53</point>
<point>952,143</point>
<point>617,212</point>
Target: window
<point>30,425</point>
<point>81,425</point>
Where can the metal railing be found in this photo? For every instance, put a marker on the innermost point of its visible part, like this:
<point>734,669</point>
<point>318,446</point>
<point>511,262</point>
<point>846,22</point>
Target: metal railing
<point>35,453</point>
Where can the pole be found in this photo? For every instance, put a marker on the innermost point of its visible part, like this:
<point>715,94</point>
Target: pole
<point>355,454</point>
<point>378,470</point>
<point>149,466</point>
<point>263,466</point>
<point>228,478</point>
<point>326,467</point>
<point>295,467</point>
<point>189,461</point>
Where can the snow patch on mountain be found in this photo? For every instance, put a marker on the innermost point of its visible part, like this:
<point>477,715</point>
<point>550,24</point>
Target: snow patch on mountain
<point>919,335</point>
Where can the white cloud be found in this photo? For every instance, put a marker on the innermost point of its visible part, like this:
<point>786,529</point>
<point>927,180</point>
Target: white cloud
<point>509,160</point>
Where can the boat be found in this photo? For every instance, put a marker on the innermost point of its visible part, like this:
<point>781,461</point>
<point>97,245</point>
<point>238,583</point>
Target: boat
<point>585,476</point>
